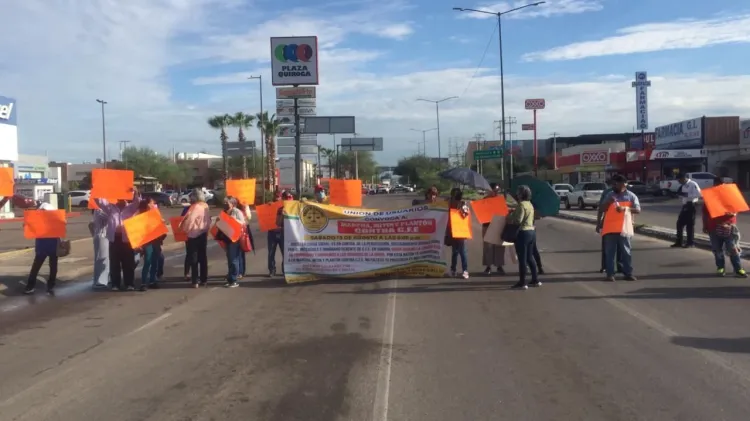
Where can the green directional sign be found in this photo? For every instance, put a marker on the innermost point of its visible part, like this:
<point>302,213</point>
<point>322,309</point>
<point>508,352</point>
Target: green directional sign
<point>488,154</point>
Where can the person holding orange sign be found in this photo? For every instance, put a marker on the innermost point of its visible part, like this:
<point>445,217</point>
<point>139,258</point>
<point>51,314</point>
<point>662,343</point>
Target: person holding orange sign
<point>276,236</point>
<point>197,223</point>
<point>232,248</point>
<point>151,252</point>
<point>458,245</point>
<point>44,249</point>
<point>617,237</point>
<point>721,232</point>
<point>121,254</point>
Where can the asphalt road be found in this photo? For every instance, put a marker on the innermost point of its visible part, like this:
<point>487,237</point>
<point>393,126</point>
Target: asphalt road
<point>672,346</point>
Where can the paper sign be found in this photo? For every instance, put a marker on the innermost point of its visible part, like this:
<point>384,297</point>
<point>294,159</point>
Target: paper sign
<point>460,226</point>
<point>6,182</point>
<point>243,190</point>
<point>614,222</point>
<point>723,199</point>
<point>486,208</point>
<point>346,193</point>
<point>144,227</point>
<point>44,224</point>
<point>229,226</point>
<point>267,215</point>
<point>112,185</point>
<point>494,232</point>
<point>179,235</point>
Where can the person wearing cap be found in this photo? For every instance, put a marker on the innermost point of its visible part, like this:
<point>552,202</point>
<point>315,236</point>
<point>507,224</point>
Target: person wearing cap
<point>599,221</point>
<point>690,193</point>
<point>320,194</point>
<point>619,242</point>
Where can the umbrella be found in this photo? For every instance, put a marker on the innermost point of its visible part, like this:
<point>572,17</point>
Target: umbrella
<point>543,196</point>
<point>466,176</point>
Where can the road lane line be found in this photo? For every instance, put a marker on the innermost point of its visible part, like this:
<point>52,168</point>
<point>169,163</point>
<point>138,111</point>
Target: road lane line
<point>151,323</point>
<point>383,388</point>
<point>710,356</point>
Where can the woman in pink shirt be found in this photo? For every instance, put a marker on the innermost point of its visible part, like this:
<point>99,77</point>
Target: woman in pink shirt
<point>196,224</point>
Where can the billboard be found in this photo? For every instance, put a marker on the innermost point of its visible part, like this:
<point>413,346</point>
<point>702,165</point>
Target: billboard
<point>294,60</point>
<point>8,129</point>
<point>641,85</point>
<point>685,134</point>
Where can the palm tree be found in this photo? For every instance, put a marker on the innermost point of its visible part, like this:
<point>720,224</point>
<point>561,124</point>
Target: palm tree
<point>270,127</point>
<point>221,122</point>
<point>330,156</point>
<point>243,121</point>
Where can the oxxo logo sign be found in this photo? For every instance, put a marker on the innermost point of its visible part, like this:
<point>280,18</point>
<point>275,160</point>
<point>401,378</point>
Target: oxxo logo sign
<point>6,111</point>
<point>595,158</point>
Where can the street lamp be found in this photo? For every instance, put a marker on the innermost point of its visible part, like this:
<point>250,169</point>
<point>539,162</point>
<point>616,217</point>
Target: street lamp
<point>437,114</point>
<point>424,140</point>
<point>500,39</point>
<point>104,136</point>
<point>262,137</point>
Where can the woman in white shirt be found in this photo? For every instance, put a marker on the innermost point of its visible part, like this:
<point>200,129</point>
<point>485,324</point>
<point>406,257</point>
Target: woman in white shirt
<point>232,248</point>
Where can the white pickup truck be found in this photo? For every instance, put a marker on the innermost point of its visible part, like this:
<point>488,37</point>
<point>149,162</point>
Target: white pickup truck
<point>704,180</point>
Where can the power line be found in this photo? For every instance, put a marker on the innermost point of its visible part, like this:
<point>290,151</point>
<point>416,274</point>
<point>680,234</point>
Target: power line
<point>476,71</point>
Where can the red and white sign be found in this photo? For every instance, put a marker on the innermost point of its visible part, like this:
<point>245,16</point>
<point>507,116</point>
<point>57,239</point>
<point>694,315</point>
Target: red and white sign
<point>595,158</point>
<point>527,127</point>
<point>678,154</point>
<point>535,104</point>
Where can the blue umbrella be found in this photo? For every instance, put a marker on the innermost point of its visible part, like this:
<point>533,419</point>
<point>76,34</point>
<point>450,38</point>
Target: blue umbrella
<point>466,176</point>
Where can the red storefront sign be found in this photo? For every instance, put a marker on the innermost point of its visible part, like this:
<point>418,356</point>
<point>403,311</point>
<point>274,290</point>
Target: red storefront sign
<point>595,158</point>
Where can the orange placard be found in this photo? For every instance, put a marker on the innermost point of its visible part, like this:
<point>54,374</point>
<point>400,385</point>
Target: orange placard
<point>144,227</point>
<point>6,182</point>
<point>267,215</point>
<point>44,224</point>
<point>112,185</point>
<point>243,190</point>
<point>485,209</point>
<point>614,221</point>
<point>346,193</point>
<point>460,226</point>
<point>229,226</point>
<point>179,235</point>
<point>723,199</point>
<point>214,231</point>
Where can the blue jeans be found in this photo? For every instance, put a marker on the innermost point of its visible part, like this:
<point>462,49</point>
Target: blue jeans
<point>617,247</point>
<point>151,255</point>
<point>525,244</point>
<point>459,249</point>
<point>233,261</point>
<point>718,245</point>
<point>275,239</point>
<point>242,261</point>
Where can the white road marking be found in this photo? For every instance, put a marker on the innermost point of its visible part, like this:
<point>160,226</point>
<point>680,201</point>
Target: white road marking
<point>151,323</point>
<point>383,387</point>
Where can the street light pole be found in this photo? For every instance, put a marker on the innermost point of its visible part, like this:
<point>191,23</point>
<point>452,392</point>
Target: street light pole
<point>500,41</point>
<point>262,138</point>
<point>437,115</point>
<point>123,147</point>
<point>424,139</point>
<point>104,136</point>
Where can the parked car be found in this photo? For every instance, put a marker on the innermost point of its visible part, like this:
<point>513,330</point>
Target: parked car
<point>22,202</point>
<point>384,189</point>
<point>79,198</point>
<point>585,194</point>
<point>704,180</point>
<point>161,199</point>
<point>562,190</point>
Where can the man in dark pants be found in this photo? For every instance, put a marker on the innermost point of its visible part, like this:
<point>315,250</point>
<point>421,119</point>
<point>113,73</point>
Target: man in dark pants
<point>599,221</point>
<point>690,192</point>
<point>276,237</point>
<point>121,255</point>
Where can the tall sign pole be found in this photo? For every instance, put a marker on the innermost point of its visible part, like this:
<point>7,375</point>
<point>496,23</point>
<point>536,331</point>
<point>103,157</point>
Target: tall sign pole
<point>535,104</point>
<point>641,84</point>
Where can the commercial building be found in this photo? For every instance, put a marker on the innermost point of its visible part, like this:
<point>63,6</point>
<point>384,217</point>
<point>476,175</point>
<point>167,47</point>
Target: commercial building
<point>286,176</point>
<point>594,162</point>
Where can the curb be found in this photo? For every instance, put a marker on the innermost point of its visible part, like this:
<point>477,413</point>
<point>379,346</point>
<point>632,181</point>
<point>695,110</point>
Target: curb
<point>701,240</point>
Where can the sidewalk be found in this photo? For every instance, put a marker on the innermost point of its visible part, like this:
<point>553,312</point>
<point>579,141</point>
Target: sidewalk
<point>645,226</point>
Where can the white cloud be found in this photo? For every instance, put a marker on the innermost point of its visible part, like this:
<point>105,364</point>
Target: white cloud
<point>681,34</point>
<point>548,9</point>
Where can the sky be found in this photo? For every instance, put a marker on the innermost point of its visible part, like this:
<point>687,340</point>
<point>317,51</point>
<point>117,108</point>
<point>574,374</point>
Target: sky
<point>165,66</point>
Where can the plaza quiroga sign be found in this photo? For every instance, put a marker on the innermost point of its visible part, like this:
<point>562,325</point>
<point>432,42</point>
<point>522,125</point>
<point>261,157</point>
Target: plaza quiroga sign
<point>294,60</point>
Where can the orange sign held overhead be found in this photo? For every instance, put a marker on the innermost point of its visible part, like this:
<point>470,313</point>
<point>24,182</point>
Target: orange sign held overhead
<point>346,193</point>
<point>44,224</point>
<point>723,199</point>
<point>267,215</point>
<point>144,228</point>
<point>614,222</point>
<point>180,236</point>
<point>460,225</point>
<point>486,208</point>
<point>6,182</point>
<point>243,190</point>
<point>112,185</point>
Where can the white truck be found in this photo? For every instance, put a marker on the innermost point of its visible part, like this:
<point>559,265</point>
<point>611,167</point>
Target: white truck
<point>704,180</point>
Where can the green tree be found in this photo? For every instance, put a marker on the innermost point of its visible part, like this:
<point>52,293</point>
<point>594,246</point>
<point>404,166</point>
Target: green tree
<point>270,127</point>
<point>221,122</point>
<point>147,162</point>
<point>242,121</point>
<point>422,171</point>
<point>364,161</point>
<point>330,156</point>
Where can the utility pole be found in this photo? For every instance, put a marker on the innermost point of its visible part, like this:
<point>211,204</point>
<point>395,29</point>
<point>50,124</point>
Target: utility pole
<point>477,142</point>
<point>510,121</point>
<point>104,135</point>
<point>554,147</point>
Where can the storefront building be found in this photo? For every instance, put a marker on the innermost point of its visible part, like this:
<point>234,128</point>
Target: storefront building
<point>594,164</point>
<point>34,177</point>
